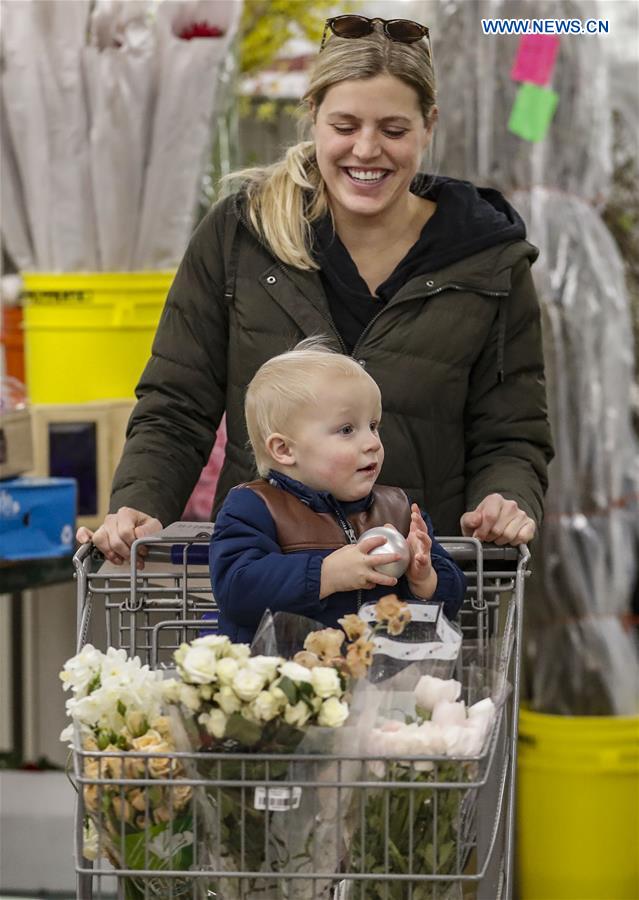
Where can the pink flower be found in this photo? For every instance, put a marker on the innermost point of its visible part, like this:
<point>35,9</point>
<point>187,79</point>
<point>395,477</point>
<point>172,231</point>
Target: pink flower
<point>447,713</point>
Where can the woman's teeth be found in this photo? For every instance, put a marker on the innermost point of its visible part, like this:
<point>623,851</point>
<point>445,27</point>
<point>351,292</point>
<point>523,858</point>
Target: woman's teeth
<point>365,175</point>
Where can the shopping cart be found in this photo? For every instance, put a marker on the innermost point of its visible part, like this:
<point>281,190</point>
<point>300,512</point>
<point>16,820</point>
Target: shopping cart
<point>151,614</point>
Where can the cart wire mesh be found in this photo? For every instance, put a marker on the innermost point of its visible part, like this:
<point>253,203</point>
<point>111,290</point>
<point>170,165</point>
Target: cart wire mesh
<point>352,802</point>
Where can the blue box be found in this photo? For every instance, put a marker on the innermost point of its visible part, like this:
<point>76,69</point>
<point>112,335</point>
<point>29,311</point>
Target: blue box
<point>37,517</point>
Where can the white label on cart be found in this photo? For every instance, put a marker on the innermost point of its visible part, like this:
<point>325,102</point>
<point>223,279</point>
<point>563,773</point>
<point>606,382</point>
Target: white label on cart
<point>279,799</point>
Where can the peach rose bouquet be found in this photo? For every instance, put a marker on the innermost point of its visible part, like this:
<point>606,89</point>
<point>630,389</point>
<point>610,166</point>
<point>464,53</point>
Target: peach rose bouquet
<point>137,809</point>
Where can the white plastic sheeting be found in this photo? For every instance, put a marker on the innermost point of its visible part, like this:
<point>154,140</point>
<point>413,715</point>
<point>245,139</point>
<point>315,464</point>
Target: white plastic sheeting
<point>582,659</point>
<point>109,119</point>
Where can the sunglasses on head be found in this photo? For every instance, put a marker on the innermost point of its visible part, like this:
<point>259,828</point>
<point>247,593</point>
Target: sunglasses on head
<point>404,31</point>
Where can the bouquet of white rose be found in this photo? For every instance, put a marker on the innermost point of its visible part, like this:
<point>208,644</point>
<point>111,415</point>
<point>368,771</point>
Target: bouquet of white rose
<point>121,737</point>
<point>253,706</point>
<point>249,706</point>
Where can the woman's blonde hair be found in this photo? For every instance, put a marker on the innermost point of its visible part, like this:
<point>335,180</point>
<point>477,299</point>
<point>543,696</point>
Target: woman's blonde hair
<point>285,384</point>
<point>286,197</point>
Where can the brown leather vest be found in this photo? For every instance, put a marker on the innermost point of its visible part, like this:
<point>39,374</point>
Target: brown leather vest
<point>300,528</point>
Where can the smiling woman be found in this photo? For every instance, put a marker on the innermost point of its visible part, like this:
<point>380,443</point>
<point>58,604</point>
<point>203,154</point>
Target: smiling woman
<point>423,280</point>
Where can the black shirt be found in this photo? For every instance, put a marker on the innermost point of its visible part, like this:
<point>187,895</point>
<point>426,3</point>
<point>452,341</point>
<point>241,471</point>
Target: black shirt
<point>467,219</point>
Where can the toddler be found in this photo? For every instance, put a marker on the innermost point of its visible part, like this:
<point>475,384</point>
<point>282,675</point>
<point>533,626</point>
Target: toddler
<point>288,541</point>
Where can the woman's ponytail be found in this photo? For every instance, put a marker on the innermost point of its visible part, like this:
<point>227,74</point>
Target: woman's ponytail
<point>283,200</point>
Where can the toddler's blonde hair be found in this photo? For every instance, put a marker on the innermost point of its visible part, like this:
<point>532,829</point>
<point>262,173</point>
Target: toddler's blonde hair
<point>284,384</point>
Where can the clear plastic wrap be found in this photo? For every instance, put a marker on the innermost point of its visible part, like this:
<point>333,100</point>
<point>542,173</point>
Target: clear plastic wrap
<point>120,75</point>
<point>107,112</point>
<point>582,659</point>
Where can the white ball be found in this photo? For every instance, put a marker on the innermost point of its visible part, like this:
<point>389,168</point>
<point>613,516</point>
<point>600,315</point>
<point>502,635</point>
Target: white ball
<point>395,543</point>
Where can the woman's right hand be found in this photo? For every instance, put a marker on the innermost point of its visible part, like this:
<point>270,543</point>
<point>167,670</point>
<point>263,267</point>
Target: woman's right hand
<point>352,567</point>
<point>117,533</point>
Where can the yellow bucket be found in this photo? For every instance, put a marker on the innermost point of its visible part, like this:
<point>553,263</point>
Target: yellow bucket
<point>88,335</point>
<point>578,807</point>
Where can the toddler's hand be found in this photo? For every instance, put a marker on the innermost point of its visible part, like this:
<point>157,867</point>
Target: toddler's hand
<point>351,568</point>
<point>421,576</point>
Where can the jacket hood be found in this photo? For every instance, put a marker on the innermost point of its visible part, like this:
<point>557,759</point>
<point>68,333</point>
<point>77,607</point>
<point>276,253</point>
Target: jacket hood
<point>466,221</point>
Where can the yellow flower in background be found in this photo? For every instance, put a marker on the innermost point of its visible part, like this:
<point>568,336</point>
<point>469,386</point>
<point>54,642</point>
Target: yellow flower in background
<point>268,24</point>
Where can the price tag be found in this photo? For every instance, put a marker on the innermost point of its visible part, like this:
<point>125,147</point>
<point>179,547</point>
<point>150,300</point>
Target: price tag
<point>277,799</point>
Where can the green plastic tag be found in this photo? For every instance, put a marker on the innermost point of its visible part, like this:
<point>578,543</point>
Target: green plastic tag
<point>532,112</point>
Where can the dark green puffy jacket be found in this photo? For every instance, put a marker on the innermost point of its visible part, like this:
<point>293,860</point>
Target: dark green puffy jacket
<point>456,352</point>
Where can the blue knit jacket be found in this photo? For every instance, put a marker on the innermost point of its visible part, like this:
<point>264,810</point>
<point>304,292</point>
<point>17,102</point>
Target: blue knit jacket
<point>250,573</point>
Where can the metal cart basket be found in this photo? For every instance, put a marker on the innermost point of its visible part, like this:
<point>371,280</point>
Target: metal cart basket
<point>355,844</point>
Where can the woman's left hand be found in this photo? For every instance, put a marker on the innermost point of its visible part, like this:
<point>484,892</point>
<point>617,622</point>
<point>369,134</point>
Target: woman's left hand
<point>500,521</point>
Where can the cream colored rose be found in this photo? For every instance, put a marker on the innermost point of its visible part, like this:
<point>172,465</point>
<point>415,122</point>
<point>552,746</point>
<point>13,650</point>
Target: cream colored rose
<point>162,724</point>
<point>122,808</point>
<point>152,742</point>
<point>297,715</point>
<point>295,672</point>
<point>227,700</point>
<point>227,669</point>
<point>220,643</point>
<point>199,665</point>
<point>265,707</point>
<point>333,713</point>
<point>137,799</point>
<point>265,665</point>
<point>240,652</point>
<point>180,795</point>
<point>247,684</point>
<point>214,722</point>
<point>278,694</point>
<point>326,682</point>
<point>189,696</point>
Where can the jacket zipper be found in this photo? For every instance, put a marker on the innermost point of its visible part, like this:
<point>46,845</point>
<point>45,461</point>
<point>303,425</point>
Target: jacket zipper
<point>439,290</point>
<point>351,537</point>
<point>329,319</point>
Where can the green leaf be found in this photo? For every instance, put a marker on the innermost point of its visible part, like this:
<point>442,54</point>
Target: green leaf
<point>445,852</point>
<point>137,847</point>
<point>121,708</point>
<point>94,683</point>
<point>429,856</point>
<point>289,689</point>
<point>399,860</point>
<point>241,730</point>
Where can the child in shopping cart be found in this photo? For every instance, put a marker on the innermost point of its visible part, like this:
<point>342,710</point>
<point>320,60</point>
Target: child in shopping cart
<point>288,541</point>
